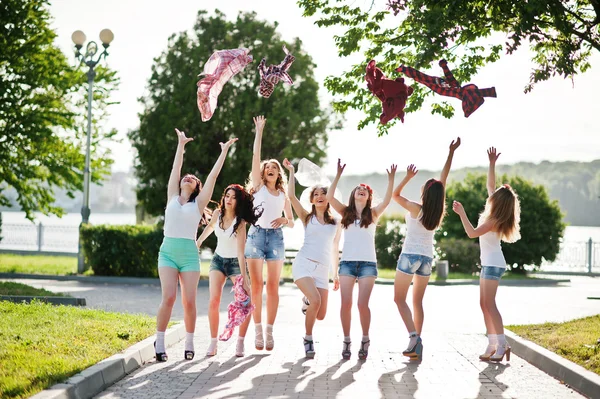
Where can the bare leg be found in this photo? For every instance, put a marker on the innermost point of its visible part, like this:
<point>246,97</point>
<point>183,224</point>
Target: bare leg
<point>419,286</point>
<point>401,285</point>
<point>365,287</point>
<point>310,291</point>
<point>273,274</point>
<point>216,281</point>
<point>346,288</point>
<point>168,284</point>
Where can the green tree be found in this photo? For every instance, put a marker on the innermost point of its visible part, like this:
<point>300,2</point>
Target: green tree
<point>388,241</point>
<point>42,111</point>
<point>296,125</point>
<point>542,227</point>
<point>561,35</point>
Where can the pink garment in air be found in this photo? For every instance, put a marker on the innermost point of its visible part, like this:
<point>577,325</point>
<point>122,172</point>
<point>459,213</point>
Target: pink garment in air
<point>220,67</point>
<point>271,75</point>
<point>238,310</point>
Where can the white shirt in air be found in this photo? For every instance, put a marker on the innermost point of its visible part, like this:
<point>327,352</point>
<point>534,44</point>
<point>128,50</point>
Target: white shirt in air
<point>226,242</point>
<point>359,243</point>
<point>491,251</point>
<point>418,240</point>
<point>181,221</point>
<point>318,241</point>
<point>272,206</point>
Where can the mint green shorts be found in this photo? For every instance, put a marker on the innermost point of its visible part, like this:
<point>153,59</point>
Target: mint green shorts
<point>180,254</point>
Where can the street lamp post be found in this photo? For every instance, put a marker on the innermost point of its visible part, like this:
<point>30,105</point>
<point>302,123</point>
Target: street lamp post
<point>78,37</point>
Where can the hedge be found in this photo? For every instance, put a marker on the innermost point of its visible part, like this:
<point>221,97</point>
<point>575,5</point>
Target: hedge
<point>388,241</point>
<point>462,254</point>
<point>122,250</point>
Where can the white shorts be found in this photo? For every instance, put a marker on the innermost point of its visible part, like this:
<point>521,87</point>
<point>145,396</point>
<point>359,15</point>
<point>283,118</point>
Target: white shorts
<point>303,267</point>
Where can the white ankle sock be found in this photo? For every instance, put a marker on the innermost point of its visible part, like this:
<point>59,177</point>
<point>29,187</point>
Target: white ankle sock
<point>347,339</point>
<point>212,346</point>
<point>412,339</point>
<point>258,329</point>
<point>270,329</point>
<point>501,340</point>
<point>189,341</point>
<point>160,342</point>
<point>308,337</point>
<point>365,338</point>
<point>493,339</point>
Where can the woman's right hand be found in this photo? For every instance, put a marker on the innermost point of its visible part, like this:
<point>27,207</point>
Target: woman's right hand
<point>411,171</point>
<point>340,167</point>
<point>259,123</point>
<point>246,285</point>
<point>288,165</point>
<point>492,156</point>
<point>182,139</point>
<point>458,208</point>
<point>225,146</point>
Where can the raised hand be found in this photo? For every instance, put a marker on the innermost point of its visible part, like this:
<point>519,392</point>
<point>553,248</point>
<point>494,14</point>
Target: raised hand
<point>259,123</point>
<point>340,167</point>
<point>288,165</point>
<point>455,144</point>
<point>225,146</point>
<point>392,171</point>
<point>411,171</point>
<point>182,139</point>
<point>492,155</point>
<point>458,208</point>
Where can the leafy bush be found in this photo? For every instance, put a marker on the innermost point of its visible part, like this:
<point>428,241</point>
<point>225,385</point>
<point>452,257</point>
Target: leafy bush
<point>125,250</point>
<point>388,241</point>
<point>462,254</point>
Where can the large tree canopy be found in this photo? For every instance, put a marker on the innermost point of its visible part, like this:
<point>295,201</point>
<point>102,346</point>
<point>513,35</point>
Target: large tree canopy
<point>43,110</point>
<point>561,35</point>
<point>296,125</point>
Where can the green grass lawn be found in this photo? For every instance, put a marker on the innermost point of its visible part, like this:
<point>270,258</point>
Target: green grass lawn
<point>42,345</point>
<point>9,288</point>
<point>38,264</point>
<point>576,340</point>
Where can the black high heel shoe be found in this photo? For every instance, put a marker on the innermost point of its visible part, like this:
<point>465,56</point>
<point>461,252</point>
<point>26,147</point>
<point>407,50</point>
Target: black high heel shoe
<point>188,355</point>
<point>160,357</point>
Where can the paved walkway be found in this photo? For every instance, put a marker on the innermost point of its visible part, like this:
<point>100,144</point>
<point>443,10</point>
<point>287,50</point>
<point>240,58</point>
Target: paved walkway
<point>453,338</point>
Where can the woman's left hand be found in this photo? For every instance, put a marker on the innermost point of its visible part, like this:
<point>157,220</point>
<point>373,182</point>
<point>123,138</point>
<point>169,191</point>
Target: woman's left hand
<point>225,146</point>
<point>336,283</point>
<point>246,285</point>
<point>277,223</point>
<point>458,208</point>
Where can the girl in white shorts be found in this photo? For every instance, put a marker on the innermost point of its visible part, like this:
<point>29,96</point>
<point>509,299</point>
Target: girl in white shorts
<point>319,251</point>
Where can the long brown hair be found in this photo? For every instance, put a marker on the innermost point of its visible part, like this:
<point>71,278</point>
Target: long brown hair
<point>207,212</point>
<point>504,210</point>
<point>349,214</point>
<point>327,216</point>
<point>244,207</point>
<point>434,204</point>
<point>280,184</point>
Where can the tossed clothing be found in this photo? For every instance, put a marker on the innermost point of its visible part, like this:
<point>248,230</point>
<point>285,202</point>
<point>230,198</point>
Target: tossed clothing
<point>392,93</point>
<point>218,70</point>
<point>471,95</point>
<point>238,310</point>
<point>271,75</point>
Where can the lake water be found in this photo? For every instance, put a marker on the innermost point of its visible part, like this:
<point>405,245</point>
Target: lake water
<point>61,234</point>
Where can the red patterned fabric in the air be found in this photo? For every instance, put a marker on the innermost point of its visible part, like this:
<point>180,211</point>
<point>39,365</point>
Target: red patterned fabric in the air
<point>471,95</point>
<point>392,93</point>
<point>220,67</point>
<point>271,75</point>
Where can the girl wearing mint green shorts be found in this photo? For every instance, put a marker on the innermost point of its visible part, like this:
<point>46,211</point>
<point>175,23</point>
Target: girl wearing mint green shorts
<point>178,258</point>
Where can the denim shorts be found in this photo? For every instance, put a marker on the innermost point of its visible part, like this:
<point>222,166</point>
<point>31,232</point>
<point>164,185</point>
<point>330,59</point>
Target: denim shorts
<point>228,266</point>
<point>357,269</point>
<point>180,254</point>
<point>491,272</point>
<point>413,263</point>
<point>265,244</point>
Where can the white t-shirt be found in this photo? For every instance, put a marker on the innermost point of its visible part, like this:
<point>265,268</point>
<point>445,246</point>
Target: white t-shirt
<point>491,251</point>
<point>359,243</point>
<point>181,221</point>
<point>418,240</point>
<point>272,206</point>
<point>318,241</point>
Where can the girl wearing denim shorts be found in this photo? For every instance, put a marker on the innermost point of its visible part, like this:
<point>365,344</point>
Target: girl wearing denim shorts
<point>229,224</point>
<point>178,256</point>
<point>416,259</point>
<point>319,250</point>
<point>359,261</point>
<point>498,222</point>
<point>265,238</point>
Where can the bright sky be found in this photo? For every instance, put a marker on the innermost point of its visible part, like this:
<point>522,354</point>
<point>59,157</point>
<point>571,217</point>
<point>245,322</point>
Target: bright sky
<point>556,122</point>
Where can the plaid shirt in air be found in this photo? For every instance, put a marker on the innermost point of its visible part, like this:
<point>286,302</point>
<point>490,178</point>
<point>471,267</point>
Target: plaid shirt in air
<point>471,95</point>
<point>392,93</point>
<point>220,67</point>
<point>271,75</point>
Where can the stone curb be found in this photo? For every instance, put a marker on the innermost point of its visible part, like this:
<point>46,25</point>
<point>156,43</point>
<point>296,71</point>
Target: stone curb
<point>508,282</point>
<point>92,279</point>
<point>54,300</point>
<point>100,376</point>
<point>571,374</point>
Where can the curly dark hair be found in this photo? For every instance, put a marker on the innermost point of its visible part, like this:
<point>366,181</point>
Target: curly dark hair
<point>244,207</point>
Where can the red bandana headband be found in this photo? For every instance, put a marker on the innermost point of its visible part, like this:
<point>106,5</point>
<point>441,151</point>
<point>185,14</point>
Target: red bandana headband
<point>367,187</point>
<point>239,187</point>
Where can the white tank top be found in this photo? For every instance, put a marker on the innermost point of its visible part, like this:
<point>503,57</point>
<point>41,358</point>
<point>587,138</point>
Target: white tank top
<point>359,243</point>
<point>181,221</point>
<point>226,242</point>
<point>318,241</point>
<point>491,251</point>
<point>272,206</point>
<point>418,240</point>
